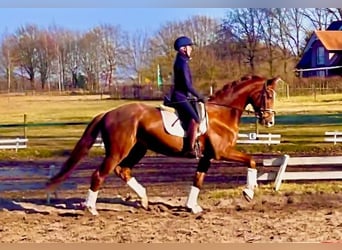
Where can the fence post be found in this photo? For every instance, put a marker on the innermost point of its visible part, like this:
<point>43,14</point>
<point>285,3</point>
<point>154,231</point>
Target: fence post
<point>256,126</point>
<point>25,122</point>
<point>17,144</point>
<point>51,173</point>
<point>287,91</point>
<point>281,172</point>
<point>269,139</point>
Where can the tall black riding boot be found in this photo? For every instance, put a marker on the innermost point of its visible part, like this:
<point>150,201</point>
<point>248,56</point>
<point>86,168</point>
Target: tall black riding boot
<point>191,139</point>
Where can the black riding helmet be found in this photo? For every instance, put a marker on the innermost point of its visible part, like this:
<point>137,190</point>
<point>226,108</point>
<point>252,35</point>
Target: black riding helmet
<point>182,41</point>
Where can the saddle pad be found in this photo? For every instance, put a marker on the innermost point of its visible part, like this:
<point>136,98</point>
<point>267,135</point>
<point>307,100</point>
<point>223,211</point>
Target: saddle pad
<point>173,125</point>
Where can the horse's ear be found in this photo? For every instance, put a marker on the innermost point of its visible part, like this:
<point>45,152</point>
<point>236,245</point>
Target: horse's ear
<point>278,80</point>
<point>246,77</point>
<point>275,81</point>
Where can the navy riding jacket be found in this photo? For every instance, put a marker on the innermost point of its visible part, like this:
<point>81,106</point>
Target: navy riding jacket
<point>182,79</point>
<point>182,89</point>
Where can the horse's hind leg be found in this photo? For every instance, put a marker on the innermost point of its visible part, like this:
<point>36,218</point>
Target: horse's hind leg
<point>97,180</point>
<point>124,171</point>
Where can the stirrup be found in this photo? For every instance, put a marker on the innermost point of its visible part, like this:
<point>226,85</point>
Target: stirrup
<point>194,152</point>
<point>198,150</point>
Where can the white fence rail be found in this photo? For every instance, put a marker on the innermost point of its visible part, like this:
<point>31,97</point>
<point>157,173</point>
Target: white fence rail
<point>17,143</point>
<point>250,138</point>
<point>286,160</point>
<point>99,142</point>
<point>254,138</point>
<point>333,136</point>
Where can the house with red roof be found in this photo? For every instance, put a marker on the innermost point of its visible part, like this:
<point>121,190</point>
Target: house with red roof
<point>322,56</point>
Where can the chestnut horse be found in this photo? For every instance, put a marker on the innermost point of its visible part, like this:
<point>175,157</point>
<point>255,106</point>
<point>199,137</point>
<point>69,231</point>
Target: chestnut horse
<point>128,131</point>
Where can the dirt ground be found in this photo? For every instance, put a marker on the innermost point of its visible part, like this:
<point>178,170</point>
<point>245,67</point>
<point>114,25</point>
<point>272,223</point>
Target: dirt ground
<point>280,217</point>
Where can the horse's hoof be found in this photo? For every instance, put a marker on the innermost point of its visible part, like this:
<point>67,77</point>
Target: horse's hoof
<point>144,203</point>
<point>248,194</point>
<point>91,210</point>
<point>195,209</point>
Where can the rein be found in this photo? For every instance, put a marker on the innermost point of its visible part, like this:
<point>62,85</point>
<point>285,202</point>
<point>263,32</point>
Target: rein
<point>257,112</point>
<point>231,107</point>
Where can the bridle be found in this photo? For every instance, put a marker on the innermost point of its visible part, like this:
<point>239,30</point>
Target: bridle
<point>259,112</point>
<point>264,109</point>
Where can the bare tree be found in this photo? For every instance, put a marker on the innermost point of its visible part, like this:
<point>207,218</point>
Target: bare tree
<point>64,48</point>
<point>203,30</point>
<point>319,18</point>
<point>25,51</point>
<point>295,30</point>
<point>162,42</point>
<point>268,36</point>
<point>336,13</point>
<point>90,54</point>
<point>46,54</point>
<point>139,56</point>
<point>113,47</point>
<point>7,59</point>
<point>244,25</point>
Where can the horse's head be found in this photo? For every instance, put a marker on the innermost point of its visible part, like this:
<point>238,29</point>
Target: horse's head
<point>263,99</point>
<point>254,90</point>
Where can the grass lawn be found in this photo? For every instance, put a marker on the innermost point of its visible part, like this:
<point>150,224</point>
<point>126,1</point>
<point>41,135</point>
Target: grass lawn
<point>46,140</point>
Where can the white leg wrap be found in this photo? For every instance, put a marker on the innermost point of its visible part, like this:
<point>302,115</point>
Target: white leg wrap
<point>91,199</point>
<point>192,200</point>
<point>137,187</point>
<point>248,192</point>
<point>252,178</point>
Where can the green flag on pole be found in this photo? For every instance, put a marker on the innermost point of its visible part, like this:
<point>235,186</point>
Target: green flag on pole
<point>159,77</point>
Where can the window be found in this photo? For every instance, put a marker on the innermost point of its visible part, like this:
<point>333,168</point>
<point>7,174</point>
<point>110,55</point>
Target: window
<point>331,55</point>
<point>320,56</point>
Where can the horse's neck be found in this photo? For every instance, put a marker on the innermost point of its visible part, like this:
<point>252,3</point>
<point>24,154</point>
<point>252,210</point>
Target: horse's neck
<point>236,97</point>
<point>228,118</point>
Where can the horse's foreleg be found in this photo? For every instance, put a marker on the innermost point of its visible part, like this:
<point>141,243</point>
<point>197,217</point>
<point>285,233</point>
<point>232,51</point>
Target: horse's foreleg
<point>125,174</point>
<point>202,169</point>
<point>248,192</point>
<point>235,155</point>
<point>97,180</point>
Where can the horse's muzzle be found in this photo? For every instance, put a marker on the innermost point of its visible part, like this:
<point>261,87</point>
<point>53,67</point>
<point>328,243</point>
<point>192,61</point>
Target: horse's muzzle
<point>267,118</point>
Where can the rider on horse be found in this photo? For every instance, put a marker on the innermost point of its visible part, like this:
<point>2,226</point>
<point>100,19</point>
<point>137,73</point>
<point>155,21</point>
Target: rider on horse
<point>183,92</point>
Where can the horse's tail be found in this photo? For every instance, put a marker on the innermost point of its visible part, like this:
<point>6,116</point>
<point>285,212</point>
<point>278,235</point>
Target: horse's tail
<point>80,150</point>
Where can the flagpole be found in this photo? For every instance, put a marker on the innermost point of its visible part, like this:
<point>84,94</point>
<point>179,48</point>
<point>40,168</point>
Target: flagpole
<point>159,77</point>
